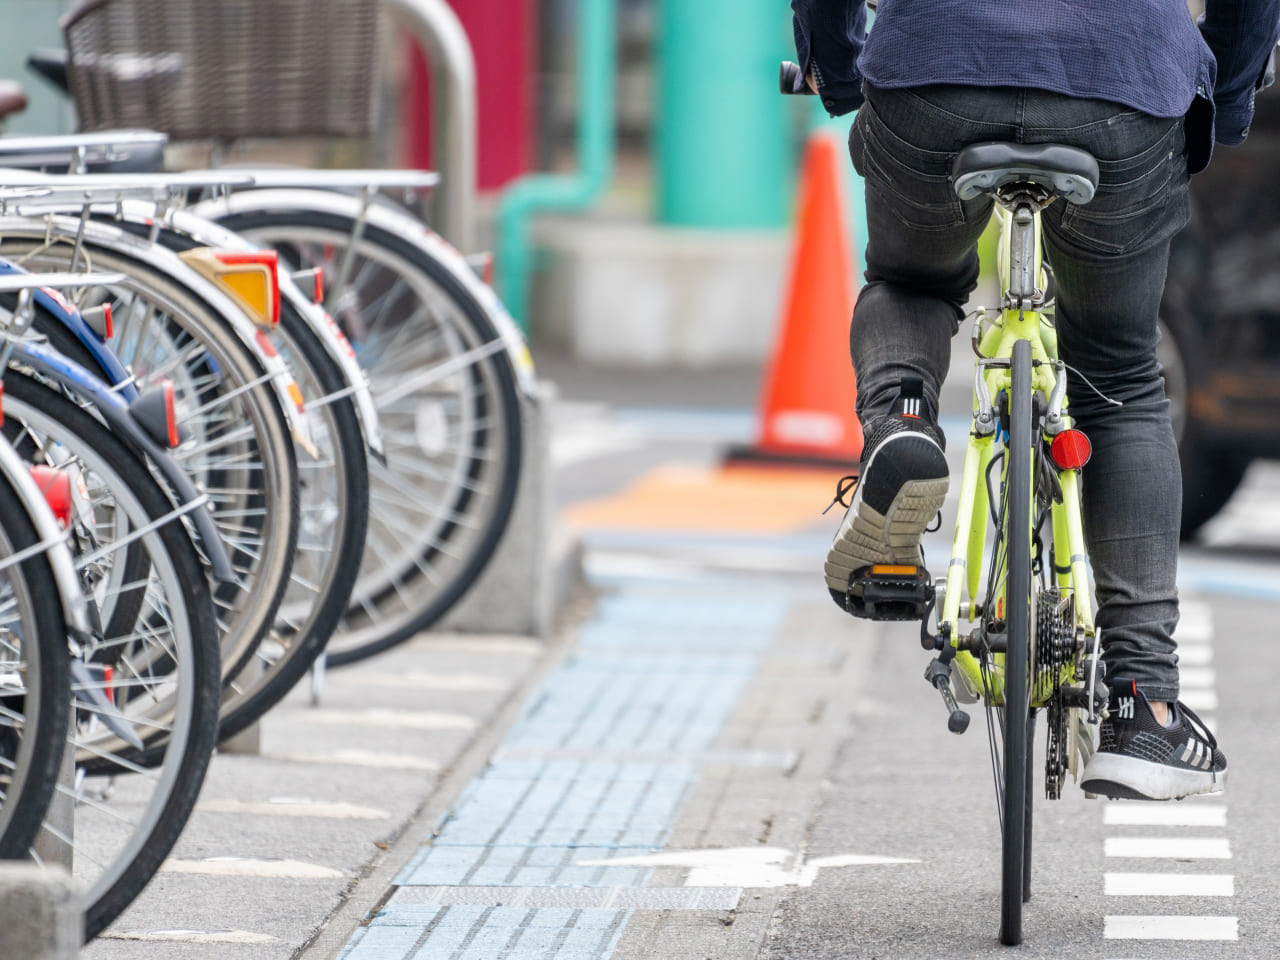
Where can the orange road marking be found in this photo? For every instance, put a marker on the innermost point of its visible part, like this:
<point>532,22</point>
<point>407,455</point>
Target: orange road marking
<point>742,498</point>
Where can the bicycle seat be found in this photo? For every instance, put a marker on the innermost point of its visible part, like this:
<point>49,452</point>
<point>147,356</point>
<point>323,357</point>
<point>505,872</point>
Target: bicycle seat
<point>1064,171</point>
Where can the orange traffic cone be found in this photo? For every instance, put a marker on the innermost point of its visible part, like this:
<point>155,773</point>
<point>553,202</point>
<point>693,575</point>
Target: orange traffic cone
<point>807,404</point>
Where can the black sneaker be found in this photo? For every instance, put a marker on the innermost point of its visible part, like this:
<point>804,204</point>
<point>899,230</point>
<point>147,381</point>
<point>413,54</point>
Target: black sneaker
<point>901,486</point>
<point>1138,759</point>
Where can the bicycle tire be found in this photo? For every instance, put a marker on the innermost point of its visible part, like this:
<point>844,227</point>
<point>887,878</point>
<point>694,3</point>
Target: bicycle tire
<point>1017,668</point>
<point>247,607</point>
<point>181,759</point>
<point>31,760</point>
<point>337,432</point>
<point>375,620</point>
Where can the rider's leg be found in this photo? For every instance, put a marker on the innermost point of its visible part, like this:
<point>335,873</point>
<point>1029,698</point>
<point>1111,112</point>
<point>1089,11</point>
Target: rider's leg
<point>921,252</point>
<point>1109,260</point>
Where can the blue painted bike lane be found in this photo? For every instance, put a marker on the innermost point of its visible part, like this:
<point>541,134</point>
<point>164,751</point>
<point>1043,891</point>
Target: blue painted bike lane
<point>596,768</point>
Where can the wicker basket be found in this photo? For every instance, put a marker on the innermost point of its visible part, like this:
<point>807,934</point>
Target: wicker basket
<point>224,69</point>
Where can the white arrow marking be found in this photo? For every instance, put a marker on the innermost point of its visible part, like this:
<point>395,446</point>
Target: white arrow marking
<point>756,867</point>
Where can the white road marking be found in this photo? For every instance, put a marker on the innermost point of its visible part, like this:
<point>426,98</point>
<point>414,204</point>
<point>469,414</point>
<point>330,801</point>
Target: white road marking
<point>240,867</point>
<point>189,936</point>
<point>1121,813</point>
<point>478,644</point>
<point>411,719</point>
<point>1195,678</point>
<point>1194,655</point>
<point>295,808</point>
<point>1195,620</point>
<point>1201,699</point>
<point>1180,848</point>
<point>754,867</point>
<point>420,680</point>
<point>362,758</point>
<point>1169,885</point>
<point>1171,928</point>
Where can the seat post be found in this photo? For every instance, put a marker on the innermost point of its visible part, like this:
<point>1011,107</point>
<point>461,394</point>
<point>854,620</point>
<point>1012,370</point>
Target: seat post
<point>1023,262</point>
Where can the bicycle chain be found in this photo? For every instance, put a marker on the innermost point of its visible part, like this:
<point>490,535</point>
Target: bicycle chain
<point>1054,648</point>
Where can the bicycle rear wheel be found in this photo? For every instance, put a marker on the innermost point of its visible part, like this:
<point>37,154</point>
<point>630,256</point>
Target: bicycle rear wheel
<point>1016,816</point>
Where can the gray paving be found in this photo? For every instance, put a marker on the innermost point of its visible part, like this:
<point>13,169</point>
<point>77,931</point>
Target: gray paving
<point>279,842</point>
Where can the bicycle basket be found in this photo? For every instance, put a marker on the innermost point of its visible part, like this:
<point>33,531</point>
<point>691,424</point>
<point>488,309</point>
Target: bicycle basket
<point>224,69</point>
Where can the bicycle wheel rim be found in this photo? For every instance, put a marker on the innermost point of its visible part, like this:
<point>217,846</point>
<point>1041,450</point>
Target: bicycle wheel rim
<point>1017,670</point>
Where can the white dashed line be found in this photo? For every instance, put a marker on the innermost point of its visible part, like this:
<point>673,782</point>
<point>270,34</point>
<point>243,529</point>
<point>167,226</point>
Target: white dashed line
<point>1171,928</point>
<point>1199,700</point>
<point>1169,885</point>
<point>1194,655</point>
<point>238,867</point>
<point>1169,848</point>
<point>410,719</point>
<point>1120,813</point>
<point>1195,678</point>
<point>478,644</point>
<point>188,936</point>
<point>420,680</point>
<point>363,758</point>
<point>295,808</point>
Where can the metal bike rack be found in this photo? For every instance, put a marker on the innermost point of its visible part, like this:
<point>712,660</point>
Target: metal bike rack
<point>453,112</point>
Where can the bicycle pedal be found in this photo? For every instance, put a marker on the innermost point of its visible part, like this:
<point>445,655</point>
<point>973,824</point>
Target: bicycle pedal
<point>890,592</point>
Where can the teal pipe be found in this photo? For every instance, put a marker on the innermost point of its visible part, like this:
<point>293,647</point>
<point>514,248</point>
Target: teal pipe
<point>597,68</point>
<point>723,157</point>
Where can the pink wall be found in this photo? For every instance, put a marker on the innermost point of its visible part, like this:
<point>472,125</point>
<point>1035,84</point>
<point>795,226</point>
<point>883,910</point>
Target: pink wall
<point>504,40</point>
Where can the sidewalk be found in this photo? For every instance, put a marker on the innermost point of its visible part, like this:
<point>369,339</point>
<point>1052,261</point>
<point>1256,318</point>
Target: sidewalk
<point>278,842</point>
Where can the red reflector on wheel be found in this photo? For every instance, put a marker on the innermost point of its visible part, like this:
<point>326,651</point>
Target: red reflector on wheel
<point>1071,450</point>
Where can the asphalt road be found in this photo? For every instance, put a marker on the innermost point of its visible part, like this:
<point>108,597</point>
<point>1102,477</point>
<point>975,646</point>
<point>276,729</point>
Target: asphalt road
<point>877,775</point>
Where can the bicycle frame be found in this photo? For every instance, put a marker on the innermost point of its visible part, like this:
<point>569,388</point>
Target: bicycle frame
<point>1020,257</point>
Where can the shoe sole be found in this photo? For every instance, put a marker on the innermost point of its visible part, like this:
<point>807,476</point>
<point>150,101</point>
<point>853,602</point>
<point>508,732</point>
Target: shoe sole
<point>1129,778</point>
<point>891,535</point>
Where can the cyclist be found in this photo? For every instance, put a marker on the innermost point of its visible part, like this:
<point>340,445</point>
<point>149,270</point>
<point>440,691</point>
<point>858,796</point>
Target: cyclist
<point>1146,90</point>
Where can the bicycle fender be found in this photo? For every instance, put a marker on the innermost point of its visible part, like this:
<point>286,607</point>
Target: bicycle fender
<point>335,343</point>
<point>407,228</point>
<point>169,263</point>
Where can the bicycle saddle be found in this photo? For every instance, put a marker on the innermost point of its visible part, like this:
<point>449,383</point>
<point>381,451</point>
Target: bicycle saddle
<point>1067,172</point>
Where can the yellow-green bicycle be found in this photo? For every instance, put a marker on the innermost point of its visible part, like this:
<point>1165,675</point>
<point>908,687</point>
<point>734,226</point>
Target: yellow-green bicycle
<point>1014,615</point>
<point>1013,618</point>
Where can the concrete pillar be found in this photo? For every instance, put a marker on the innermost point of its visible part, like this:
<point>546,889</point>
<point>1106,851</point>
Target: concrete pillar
<point>39,913</point>
<point>724,146</point>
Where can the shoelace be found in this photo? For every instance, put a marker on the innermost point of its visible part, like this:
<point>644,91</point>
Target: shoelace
<point>844,487</point>
<point>1199,728</point>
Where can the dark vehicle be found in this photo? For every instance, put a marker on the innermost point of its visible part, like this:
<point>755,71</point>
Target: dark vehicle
<point>1221,320</point>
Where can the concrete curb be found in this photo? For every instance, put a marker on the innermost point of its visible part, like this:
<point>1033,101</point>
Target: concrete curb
<point>41,913</point>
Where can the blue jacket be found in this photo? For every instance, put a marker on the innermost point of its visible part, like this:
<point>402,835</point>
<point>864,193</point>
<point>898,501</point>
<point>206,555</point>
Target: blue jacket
<point>1146,54</point>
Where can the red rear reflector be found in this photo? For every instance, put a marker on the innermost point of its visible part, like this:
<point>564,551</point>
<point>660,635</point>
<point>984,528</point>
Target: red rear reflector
<point>1071,450</point>
<point>170,413</point>
<point>106,320</point>
<point>318,296</point>
<point>108,674</point>
<point>56,487</point>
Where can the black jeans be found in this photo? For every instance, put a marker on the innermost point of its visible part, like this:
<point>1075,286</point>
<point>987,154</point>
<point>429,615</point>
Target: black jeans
<point>1109,259</point>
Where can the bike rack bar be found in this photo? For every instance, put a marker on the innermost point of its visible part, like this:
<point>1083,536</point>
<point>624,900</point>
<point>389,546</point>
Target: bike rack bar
<point>453,109</point>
